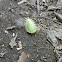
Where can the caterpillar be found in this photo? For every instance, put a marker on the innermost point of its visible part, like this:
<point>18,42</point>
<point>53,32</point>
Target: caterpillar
<point>30,26</point>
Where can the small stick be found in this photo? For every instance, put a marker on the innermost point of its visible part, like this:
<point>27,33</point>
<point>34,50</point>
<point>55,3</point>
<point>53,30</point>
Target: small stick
<point>38,8</point>
<point>11,28</point>
<point>22,2</point>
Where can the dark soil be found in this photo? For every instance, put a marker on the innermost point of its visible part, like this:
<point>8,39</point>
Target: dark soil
<point>36,45</point>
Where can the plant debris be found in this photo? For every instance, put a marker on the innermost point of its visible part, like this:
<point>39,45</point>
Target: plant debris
<point>38,9</point>
<point>23,58</point>
<point>59,34</point>
<point>22,2</point>
<point>11,28</point>
<point>20,45</point>
<point>35,46</point>
<point>2,54</point>
<point>43,59</point>
<point>52,8</point>
<point>38,29</point>
<point>6,32</point>
<point>13,43</point>
<point>32,2</point>
<point>51,36</point>
<point>58,16</point>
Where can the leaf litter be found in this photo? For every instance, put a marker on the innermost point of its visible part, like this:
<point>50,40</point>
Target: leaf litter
<point>23,58</point>
<point>13,43</point>
<point>11,28</point>
<point>58,16</point>
<point>59,4</point>
<point>52,36</point>
<point>22,2</point>
<point>20,45</point>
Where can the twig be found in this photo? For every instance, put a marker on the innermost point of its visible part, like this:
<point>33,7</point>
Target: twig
<point>11,28</point>
<point>38,8</point>
<point>22,2</point>
<point>45,48</point>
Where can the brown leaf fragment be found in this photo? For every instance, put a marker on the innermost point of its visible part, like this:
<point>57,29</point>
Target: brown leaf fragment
<point>23,58</point>
<point>38,29</point>
<point>13,43</point>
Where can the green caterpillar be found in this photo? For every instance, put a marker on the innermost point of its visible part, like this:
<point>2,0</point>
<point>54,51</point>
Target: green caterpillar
<point>30,26</point>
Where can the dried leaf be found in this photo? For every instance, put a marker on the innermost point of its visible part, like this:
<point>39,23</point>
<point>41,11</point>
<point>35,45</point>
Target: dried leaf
<point>20,45</point>
<point>2,54</point>
<point>59,34</point>
<point>51,37</point>
<point>13,43</point>
<point>23,58</point>
<point>59,4</point>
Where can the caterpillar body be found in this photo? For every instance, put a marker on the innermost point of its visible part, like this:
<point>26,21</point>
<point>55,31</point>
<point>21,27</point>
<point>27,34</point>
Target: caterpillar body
<point>30,26</point>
